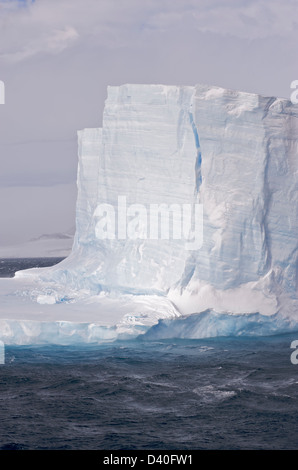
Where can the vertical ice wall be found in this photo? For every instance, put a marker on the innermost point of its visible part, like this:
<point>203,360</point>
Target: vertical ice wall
<point>148,155</point>
<point>249,191</point>
<point>281,191</point>
<point>89,151</point>
<point>234,152</point>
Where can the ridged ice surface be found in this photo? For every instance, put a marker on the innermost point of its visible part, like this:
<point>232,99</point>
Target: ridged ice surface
<point>234,153</point>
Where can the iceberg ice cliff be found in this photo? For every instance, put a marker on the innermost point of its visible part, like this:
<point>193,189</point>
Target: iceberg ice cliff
<point>232,153</point>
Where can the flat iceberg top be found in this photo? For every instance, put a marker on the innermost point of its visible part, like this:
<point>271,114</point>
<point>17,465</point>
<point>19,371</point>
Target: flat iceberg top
<point>158,94</point>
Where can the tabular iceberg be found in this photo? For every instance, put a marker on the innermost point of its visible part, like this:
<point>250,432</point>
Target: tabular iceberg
<point>165,148</point>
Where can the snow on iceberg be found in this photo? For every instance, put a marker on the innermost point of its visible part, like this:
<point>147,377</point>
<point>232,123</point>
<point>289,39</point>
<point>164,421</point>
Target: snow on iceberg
<point>161,152</point>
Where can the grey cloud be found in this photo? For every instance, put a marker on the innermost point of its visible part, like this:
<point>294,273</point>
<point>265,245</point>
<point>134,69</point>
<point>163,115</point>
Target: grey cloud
<point>50,26</point>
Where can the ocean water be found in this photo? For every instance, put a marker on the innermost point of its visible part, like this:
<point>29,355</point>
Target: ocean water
<point>8,266</point>
<point>218,393</point>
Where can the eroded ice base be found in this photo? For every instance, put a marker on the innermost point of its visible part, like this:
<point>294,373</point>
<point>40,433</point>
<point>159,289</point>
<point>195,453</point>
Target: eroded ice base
<point>32,312</point>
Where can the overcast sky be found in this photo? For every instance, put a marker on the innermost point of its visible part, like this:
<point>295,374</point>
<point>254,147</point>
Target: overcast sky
<point>57,58</point>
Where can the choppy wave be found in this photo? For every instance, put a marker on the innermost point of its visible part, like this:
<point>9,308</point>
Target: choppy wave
<point>223,393</point>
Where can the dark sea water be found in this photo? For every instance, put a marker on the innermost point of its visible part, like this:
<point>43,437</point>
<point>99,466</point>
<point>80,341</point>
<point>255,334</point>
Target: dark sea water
<point>8,266</point>
<point>217,393</point>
